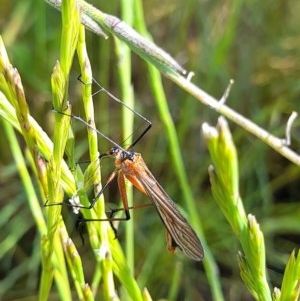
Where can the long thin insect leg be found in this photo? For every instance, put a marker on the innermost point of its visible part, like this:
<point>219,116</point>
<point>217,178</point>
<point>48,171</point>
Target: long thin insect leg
<point>93,202</point>
<point>115,210</point>
<point>111,177</point>
<point>141,136</point>
<point>122,189</point>
<point>92,128</point>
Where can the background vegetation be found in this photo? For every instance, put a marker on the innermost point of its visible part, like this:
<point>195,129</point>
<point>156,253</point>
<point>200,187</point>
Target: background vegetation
<point>255,43</point>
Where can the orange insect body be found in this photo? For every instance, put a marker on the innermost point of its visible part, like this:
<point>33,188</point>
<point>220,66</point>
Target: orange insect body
<point>179,233</point>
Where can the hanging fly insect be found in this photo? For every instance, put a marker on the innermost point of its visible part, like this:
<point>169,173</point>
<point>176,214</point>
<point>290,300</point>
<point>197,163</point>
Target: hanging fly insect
<point>179,233</point>
<point>131,166</point>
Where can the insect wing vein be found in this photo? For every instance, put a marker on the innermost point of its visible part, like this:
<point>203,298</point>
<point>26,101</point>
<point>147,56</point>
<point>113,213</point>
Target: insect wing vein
<point>177,226</point>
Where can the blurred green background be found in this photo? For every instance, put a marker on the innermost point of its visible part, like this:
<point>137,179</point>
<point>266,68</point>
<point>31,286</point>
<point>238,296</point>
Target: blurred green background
<point>256,43</point>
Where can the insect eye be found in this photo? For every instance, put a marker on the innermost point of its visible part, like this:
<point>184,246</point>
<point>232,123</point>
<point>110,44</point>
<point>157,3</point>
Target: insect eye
<point>113,151</point>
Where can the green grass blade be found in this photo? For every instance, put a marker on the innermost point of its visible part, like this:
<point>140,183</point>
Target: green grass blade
<point>225,189</point>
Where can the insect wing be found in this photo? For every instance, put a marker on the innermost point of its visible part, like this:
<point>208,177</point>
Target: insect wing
<point>179,231</point>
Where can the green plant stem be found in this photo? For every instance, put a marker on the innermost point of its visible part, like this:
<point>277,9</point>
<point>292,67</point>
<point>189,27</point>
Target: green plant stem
<point>26,179</point>
<point>225,189</point>
<point>162,104</point>
<point>109,255</point>
<point>124,56</point>
<point>148,50</point>
<point>274,142</point>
